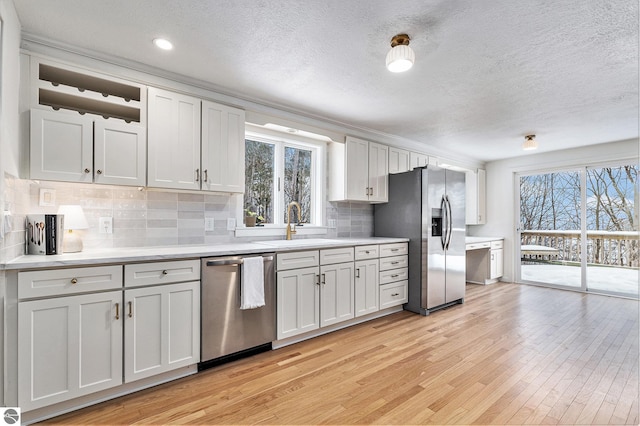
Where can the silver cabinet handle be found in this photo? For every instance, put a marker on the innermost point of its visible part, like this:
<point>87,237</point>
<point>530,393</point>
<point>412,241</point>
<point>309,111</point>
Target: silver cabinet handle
<point>395,276</point>
<point>130,309</point>
<point>357,272</point>
<point>206,175</point>
<point>395,294</point>
<point>74,281</point>
<point>87,170</point>
<point>197,175</point>
<point>165,272</point>
<point>395,263</point>
<point>317,279</point>
<point>324,282</point>
<point>117,311</point>
<point>99,171</point>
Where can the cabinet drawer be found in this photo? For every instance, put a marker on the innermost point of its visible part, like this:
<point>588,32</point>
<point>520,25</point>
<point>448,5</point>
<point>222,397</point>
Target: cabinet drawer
<point>297,259</point>
<point>58,282</point>
<point>367,252</point>
<point>337,255</point>
<point>394,262</point>
<point>396,249</point>
<point>394,275</point>
<point>476,246</point>
<point>393,294</point>
<point>497,244</point>
<point>140,274</point>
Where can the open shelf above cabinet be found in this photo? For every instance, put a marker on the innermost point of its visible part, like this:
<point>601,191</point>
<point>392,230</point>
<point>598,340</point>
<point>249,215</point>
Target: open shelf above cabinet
<point>66,88</point>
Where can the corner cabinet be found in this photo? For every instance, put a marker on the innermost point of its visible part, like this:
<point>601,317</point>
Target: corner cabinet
<point>194,144</point>
<point>358,171</point>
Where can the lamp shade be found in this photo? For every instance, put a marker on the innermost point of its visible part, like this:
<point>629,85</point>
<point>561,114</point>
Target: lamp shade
<point>400,58</point>
<point>74,217</point>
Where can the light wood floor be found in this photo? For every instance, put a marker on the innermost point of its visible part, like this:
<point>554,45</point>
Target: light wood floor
<point>512,354</point>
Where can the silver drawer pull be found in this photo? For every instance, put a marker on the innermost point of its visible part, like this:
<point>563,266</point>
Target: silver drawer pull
<point>395,263</point>
<point>395,276</point>
<point>395,294</point>
<point>165,272</point>
<point>74,281</point>
<point>117,311</point>
<point>395,249</point>
<point>130,310</point>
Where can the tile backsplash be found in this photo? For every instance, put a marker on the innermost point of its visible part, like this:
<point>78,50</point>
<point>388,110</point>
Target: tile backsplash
<point>145,218</point>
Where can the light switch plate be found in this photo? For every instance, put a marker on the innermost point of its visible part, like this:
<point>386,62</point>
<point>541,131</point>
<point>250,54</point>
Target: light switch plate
<point>209,224</point>
<point>231,223</point>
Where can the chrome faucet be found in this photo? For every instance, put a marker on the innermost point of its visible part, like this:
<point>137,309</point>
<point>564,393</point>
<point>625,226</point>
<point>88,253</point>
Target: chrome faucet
<point>289,230</point>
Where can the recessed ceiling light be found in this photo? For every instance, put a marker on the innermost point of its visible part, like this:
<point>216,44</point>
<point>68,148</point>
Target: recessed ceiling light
<point>163,44</point>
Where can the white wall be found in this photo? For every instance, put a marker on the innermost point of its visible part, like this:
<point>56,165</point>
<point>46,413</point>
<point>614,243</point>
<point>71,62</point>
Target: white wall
<point>501,187</point>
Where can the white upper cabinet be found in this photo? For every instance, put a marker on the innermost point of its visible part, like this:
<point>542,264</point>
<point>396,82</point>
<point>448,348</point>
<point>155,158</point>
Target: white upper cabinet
<point>222,148</point>
<point>358,171</point>
<point>476,197</point>
<point>174,140</point>
<point>76,148</point>
<point>86,127</point>
<point>181,156</point>
<point>398,160</point>
<point>418,160</point>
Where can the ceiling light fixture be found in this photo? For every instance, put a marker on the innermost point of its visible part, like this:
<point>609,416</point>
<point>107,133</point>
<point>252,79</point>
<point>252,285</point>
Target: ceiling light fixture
<point>529,143</point>
<point>401,57</point>
<point>163,43</point>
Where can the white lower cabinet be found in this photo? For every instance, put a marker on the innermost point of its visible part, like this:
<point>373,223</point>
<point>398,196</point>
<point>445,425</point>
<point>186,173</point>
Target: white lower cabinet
<point>298,301</point>
<point>68,347</point>
<point>162,329</point>
<point>336,293</point>
<point>367,298</point>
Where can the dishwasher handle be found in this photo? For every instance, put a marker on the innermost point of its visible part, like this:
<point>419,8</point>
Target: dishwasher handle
<point>232,262</point>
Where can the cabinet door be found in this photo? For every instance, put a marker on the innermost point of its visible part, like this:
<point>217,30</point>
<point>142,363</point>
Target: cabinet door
<point>222,148</point>
<point>496,263</point>
<point>378,174</point>
<point>68,347</point>
<point>475,196</point>
<point>61,146</point>
<point>298,301</point>
<point>120,153</point>
<point>173,140</point>
<point>398,160</point>
<point>356,169</point>
<point>367,295</point>
<point>418,160</point>
<point>336,293</point>
<point>162,329</point>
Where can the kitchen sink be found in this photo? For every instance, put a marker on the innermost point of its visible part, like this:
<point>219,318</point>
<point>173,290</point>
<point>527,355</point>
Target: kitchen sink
<point>300,242</point>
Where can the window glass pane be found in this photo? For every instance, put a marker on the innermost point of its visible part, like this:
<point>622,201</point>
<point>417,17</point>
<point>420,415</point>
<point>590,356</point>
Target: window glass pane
<point>551,233</point>
<point>297,182</point>
<point>259,174</point>
<point>612,238</point>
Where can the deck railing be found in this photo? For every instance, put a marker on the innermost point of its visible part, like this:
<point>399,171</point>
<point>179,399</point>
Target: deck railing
<point>619,248</point>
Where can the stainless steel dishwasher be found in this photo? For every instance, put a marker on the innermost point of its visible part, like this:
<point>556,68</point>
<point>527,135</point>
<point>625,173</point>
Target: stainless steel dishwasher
<point>228,332</point>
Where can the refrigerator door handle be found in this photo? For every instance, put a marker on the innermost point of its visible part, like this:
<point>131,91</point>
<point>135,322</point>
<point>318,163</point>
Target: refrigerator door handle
<point>443,233</point>
<point>450,221</point>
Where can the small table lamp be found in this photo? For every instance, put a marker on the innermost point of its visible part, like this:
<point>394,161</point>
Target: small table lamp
<point>74,219</point>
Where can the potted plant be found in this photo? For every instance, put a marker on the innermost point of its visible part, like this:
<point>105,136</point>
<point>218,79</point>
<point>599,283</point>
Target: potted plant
<point>251,217</point>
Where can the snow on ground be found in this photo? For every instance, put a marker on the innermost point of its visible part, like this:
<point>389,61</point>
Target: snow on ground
<point>619,280</point>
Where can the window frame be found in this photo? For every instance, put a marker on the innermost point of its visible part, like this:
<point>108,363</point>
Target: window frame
<point>318,182</point>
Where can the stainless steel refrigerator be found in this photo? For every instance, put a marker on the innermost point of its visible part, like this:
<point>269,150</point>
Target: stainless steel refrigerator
<point>427,206</point>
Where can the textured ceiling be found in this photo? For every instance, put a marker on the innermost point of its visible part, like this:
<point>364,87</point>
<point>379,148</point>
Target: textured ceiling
<point>486,73</point>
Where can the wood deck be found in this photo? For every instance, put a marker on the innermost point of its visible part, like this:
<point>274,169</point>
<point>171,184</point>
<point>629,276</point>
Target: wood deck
<point>512,354</point>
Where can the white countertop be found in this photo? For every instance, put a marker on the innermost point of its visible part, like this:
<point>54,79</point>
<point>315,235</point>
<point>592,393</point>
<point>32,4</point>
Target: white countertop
<point>475,240</point>
<point>141,254</point>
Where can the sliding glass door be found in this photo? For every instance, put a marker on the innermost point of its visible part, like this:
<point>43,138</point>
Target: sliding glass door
<point>579,229</point>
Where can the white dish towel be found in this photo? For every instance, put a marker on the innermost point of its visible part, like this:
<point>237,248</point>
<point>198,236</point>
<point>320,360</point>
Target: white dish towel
<point>252,285</point>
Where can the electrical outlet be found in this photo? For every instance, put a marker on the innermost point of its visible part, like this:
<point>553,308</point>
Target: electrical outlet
<point>106,225</point>
<point>209,224</point>
<point>231,223</point>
